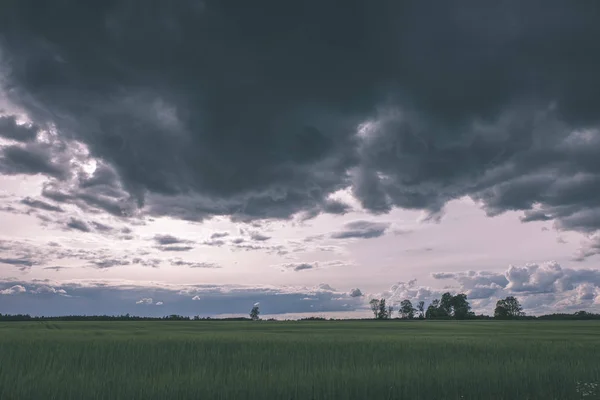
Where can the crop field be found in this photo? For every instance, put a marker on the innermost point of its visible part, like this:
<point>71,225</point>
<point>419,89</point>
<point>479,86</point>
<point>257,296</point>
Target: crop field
<point>300,360</point>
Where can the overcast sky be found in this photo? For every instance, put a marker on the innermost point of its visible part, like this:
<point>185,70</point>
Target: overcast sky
<point>198,157</point>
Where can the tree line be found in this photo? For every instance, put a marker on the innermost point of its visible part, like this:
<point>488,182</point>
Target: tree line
<point>447,307</point>
<point>457,307</point>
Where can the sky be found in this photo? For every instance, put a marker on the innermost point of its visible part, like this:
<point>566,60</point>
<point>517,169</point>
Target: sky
<point>200,157</point>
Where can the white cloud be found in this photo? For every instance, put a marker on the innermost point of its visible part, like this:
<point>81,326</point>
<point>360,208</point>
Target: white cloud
<point>45,289</point>
<point>541,288</point>
<point>159,303</point>
<point>13,290</point>
<point>146,300</point>
<point>196,298</point>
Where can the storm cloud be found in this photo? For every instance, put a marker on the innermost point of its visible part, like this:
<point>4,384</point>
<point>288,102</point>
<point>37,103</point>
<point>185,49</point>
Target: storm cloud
<point>265,109</point>
<point>11,129</point>
<point>361,229</point>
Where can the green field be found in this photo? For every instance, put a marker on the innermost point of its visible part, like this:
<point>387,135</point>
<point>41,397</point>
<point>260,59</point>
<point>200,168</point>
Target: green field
<point>300,360</point>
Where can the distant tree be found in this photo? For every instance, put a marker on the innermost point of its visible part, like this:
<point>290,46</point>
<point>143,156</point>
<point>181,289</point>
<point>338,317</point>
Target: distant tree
<point>433,309</point>
<point>390,312</point>
<point>446,304</point>
<point>406,309</point>
<point>382,311</point>
<point>254,313</point>
<point>374,304</point>
<point>508,308</point>
<point>421,309</point>
<point>461,308</point>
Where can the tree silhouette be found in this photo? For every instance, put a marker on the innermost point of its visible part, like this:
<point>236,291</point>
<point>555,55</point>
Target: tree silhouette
<point>461,308</point>
<point>382,311</point>
<point>446,304</point>
<point>254,313</point>
<point>406,309</point>
<point>450,306</point>
<point>421,309</point>
<point>508,308</point>
<point>374,304</point>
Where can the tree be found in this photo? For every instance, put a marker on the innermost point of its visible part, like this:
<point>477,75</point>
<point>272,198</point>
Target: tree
<point>374,303</point>
<point>433,311</point>
<point>449,306</point>
<point>382,311</point>
<point>461,308</point>
<point>406,309</point>
<point>508,308</point>
<point>446,304</point>
<point>254,313</point>
<point>421,309</point>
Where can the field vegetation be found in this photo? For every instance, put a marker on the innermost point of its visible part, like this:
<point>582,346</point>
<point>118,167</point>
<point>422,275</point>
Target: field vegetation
<point>389,359</point>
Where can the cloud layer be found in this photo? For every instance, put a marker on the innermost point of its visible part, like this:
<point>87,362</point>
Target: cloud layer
<point>45,297</point>
<point>405,104</point>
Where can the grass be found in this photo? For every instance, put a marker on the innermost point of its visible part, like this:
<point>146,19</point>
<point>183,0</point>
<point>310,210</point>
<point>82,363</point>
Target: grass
<point>510,360</point>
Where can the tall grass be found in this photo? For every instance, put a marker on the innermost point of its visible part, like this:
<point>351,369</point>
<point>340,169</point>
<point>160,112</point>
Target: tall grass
<point>298,360</point>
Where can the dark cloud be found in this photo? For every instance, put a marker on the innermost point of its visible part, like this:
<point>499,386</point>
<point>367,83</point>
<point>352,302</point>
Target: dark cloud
<point>100,191</point>
<point>257,113</point>
<point>19,262</point>
<point>175,248</point>
<point>314,238</point>
<point>78,225</point>
<point>172,243</point>
<point>214,242</point>
<point>191,264</point>
<point>164,240</point>
<point>259,237</point>
<point>30,159</point>
<point>218,235</point>
<point>330,207</point>
<point>361,229</point>
<point>109,263</point>
<point>355,293</point>
<point>10,129</point>
<point>299,266</point>
<point>102,227</point>
<point>28,201</point>
<point>151,262</point>
<point>336,207</point>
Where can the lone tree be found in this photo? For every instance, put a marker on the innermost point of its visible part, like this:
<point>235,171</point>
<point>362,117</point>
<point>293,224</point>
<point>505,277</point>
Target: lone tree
<point>254,313</point>
<point>508,308</point>
<point>406,309</point>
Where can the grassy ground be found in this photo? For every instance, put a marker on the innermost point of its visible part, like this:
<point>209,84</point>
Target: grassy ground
<point>300,360</point>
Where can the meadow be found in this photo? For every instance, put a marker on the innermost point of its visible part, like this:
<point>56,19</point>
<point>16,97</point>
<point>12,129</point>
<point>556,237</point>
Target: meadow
<point>509,360</point>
